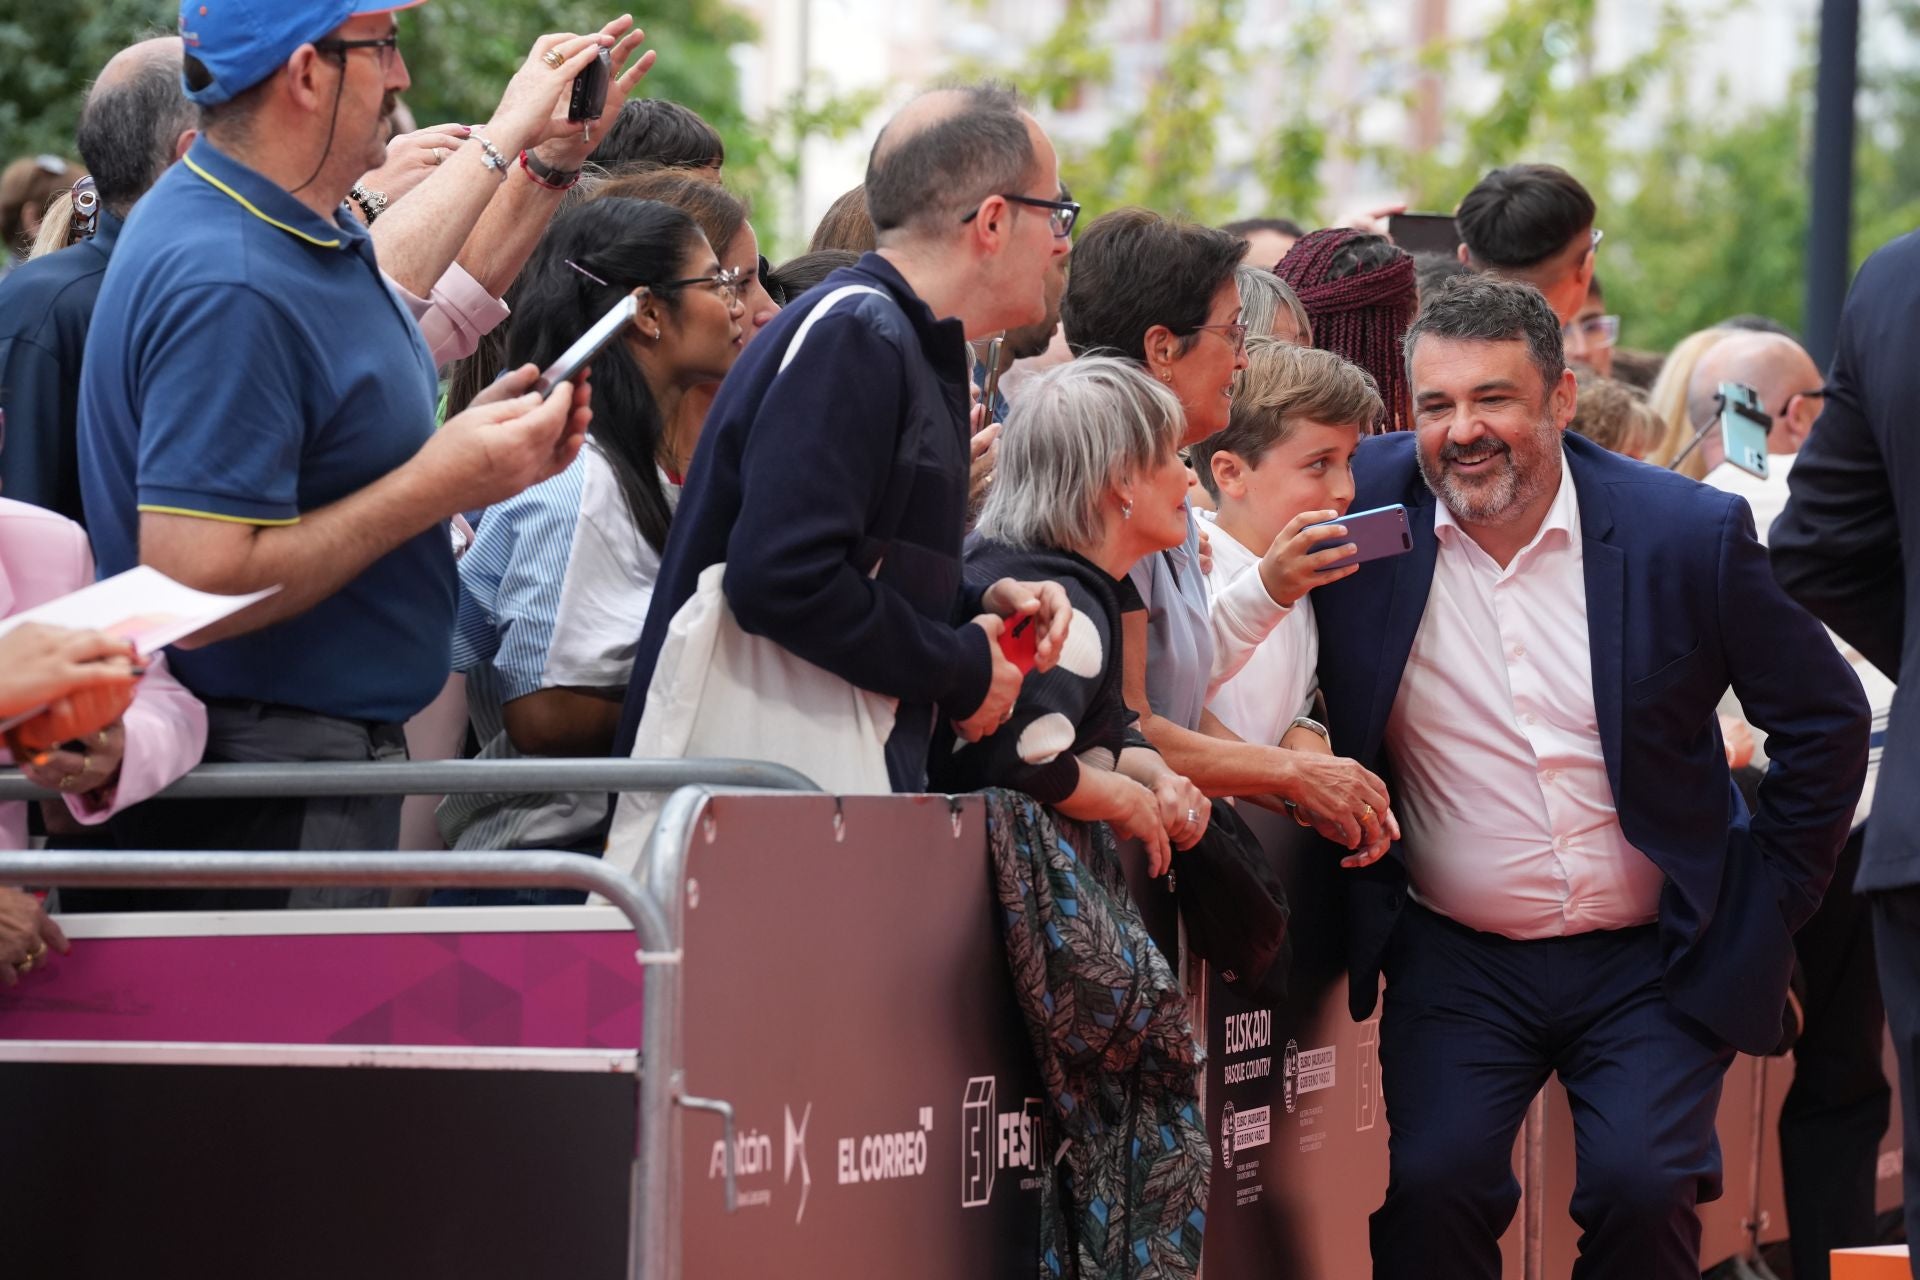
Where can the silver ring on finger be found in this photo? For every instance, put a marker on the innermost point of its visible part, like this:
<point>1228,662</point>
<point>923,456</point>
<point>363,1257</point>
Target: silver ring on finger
<point>1193,815</point>
<point>439,155</point>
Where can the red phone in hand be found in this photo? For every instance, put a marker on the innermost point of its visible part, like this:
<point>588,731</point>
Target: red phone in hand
<point>1020,643</point>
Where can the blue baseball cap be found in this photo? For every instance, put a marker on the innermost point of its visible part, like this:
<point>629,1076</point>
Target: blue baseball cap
<point>242,42</point>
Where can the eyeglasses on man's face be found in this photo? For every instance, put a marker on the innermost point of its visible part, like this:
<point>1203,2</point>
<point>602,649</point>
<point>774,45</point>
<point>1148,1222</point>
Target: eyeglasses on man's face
<point>1064,212</point>
<point>387,45</point>
<point>1818,393</point>
<point>728,283</point>
<point>1591,331</point>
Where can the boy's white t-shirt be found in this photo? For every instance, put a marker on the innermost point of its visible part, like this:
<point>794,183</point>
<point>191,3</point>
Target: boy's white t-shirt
<point>1260,700</point>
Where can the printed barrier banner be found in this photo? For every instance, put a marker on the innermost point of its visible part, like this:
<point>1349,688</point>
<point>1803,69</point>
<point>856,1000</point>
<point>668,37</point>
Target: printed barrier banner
<point>847,992</point>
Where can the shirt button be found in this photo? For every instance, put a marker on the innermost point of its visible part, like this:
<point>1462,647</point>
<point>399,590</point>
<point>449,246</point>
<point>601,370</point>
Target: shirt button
<point>1560,844</point>
<point>1551,775</point>
<point>1519,651</point>
<point>1528,719</point>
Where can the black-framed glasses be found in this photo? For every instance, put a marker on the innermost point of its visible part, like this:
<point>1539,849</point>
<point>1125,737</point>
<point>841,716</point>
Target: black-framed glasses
<point>385,44</point>
<point>727,283</point>
<point>1065,212</point>
<point>1234,332</point>
<point>1818,393</point>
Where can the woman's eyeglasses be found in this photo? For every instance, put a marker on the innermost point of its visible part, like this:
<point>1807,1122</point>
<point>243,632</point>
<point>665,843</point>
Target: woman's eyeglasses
<point>728,283</point>
<point>1236,333</point>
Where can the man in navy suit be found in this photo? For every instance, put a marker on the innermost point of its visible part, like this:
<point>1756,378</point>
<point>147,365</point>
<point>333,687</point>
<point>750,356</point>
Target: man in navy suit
<point>1580,889</point>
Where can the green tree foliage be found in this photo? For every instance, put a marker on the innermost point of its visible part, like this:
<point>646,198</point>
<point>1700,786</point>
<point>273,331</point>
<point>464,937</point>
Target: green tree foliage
<point>51,52</point>
<point>1706,213</point>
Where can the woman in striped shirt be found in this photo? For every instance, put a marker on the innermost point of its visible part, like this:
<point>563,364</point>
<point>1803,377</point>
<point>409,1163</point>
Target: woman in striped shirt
<point>557,582</point>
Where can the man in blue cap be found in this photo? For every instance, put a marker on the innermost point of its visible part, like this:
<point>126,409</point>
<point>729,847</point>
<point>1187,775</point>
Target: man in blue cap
<point>257,411</point>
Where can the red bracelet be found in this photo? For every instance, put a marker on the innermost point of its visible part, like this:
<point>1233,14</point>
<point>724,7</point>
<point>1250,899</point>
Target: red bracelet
<point>551,179</point>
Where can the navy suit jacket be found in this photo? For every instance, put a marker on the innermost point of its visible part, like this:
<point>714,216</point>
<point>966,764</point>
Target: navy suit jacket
<point>1681,604</point>
<point>1845,546</point>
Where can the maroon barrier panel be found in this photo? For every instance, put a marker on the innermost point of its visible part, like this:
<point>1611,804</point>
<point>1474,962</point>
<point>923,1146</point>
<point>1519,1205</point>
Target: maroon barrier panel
<point>846,992</point>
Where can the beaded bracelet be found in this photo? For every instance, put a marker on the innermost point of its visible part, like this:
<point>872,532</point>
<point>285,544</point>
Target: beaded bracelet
<point>490,156</point>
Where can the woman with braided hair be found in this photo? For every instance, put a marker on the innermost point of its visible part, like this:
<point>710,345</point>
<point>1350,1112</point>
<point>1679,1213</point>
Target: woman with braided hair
<point>1360,292</point>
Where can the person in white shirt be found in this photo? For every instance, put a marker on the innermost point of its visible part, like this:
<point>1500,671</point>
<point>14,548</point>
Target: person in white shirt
<point>1285,461</point>
<point>1790,390</point>
<point>1581,891</point>
<point>560,577</point>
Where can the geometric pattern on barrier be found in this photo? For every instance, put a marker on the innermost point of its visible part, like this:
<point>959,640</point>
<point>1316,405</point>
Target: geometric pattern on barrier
<point>511,990</point>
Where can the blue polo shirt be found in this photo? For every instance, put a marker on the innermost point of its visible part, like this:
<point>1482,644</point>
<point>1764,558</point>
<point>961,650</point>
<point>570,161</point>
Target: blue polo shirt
<point>249,363</point>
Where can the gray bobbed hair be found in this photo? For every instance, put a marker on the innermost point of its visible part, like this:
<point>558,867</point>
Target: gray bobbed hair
<point>1076,431</point>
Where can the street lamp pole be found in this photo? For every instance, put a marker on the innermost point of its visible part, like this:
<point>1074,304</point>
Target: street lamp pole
<point>804,59</point>
<point>1830,230</point>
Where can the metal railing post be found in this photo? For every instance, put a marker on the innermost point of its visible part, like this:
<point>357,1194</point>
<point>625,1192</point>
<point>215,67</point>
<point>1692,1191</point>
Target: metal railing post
<point>452,777</point>
<point>1533,1189</point>
<point>663,872</point>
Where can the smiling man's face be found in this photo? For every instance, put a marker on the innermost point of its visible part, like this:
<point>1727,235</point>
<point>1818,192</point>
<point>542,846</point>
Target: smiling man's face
<point>1488,428</point>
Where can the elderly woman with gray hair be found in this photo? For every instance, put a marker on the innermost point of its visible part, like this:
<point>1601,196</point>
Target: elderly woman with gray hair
<point>1090,481</point>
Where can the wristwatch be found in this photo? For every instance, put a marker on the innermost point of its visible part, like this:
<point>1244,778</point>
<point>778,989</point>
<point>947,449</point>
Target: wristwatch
<point>372,203</point>
<point>546,175</point>
<point>1308,722</point>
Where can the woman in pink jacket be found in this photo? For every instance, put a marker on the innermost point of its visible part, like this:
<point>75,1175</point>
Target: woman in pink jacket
<point>137,734</point>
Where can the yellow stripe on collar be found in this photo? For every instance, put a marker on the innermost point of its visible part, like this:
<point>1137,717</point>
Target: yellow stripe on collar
<point>251,208</point>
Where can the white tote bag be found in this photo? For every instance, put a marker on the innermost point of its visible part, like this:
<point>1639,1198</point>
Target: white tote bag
<point>718,692</point>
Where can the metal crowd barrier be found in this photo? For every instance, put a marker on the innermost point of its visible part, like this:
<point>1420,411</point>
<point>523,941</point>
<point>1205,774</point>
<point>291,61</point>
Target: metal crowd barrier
<point>653,908</point>
<point>452,777</point>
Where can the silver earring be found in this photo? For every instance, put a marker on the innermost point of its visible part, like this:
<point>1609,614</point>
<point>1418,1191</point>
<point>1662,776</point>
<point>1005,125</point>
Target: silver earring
<point>1126,511</point>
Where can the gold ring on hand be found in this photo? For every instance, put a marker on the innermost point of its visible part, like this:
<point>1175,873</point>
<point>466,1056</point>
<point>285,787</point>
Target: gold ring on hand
<point>552,58</point>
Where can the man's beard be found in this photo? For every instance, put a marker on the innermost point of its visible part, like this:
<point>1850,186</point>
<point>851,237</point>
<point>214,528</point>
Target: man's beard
<point>1508,488</point>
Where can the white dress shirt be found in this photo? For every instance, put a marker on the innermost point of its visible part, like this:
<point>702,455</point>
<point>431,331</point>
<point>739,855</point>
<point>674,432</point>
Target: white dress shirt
<point>1277,648</point>
<point>1501,786</point>
<point>1767,499</point>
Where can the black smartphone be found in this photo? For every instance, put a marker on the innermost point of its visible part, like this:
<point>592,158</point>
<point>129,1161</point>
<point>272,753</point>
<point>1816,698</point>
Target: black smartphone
<point>1424,233</point>
<point>590,89</point>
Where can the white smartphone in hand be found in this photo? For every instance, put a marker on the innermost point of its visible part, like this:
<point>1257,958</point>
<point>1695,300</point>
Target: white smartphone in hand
<point>589,344</point>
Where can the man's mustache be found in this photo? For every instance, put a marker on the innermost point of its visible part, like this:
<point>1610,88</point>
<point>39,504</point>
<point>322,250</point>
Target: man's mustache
<point>1478,451</point>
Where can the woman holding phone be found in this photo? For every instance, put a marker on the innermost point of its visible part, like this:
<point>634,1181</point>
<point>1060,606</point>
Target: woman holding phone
<point>558,579</point>
<point>1163,294</point>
